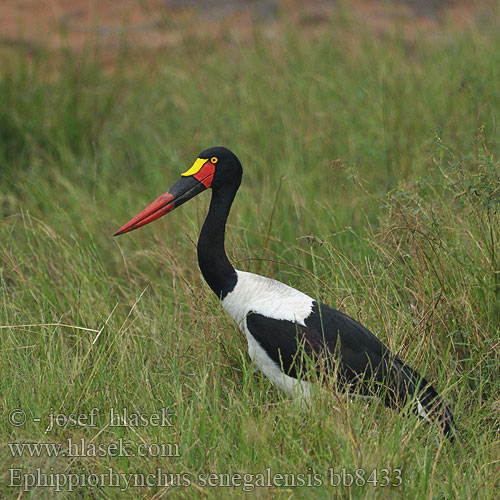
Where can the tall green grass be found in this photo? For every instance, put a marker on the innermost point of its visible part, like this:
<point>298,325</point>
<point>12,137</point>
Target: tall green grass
<point>371,181</point>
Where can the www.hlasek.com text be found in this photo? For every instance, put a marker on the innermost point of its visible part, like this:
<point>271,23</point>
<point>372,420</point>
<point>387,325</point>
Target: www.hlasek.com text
<point>89,448</point>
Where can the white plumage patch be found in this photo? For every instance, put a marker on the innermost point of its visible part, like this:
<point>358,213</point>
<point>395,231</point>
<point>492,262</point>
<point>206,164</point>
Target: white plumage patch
<point>270,298</point>
<point>420,410</point>
<point>267,297</point>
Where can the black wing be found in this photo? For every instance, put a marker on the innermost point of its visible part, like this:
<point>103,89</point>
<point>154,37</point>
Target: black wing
<point>333,339</point>
<point>327,333</point>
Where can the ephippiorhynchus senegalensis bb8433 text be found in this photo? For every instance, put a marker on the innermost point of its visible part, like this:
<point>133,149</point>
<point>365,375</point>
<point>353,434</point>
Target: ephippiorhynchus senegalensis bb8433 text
<point>281,323</point>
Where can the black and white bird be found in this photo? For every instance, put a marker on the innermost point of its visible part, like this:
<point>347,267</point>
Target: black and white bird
<point>285,328</point>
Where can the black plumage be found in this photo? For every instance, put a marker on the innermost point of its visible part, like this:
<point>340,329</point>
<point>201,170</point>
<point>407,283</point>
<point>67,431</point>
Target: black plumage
<point>338,344</point>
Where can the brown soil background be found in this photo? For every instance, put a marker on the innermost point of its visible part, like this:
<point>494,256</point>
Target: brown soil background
<point>154,24</point>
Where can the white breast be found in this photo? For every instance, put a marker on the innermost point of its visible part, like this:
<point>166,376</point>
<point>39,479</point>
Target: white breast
<point>275,300</point>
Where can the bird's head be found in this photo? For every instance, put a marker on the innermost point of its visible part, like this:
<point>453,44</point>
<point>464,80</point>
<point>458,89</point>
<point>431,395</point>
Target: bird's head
<point>215,168</point>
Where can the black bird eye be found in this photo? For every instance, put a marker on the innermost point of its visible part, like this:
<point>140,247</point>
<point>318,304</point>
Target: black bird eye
<point>214,160</point>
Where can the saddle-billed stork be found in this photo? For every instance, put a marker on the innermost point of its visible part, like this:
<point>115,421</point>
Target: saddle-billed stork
<point>286,329</point>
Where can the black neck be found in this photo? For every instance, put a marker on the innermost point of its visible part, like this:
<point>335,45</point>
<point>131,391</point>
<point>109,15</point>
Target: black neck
<point>212,259</point>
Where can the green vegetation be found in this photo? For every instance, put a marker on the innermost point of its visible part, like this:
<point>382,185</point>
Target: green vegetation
<point>372,182</point>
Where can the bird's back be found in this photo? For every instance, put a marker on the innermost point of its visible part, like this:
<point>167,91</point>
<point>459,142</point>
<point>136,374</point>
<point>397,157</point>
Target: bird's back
<point>271,298</point>
<point>278,321</point>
